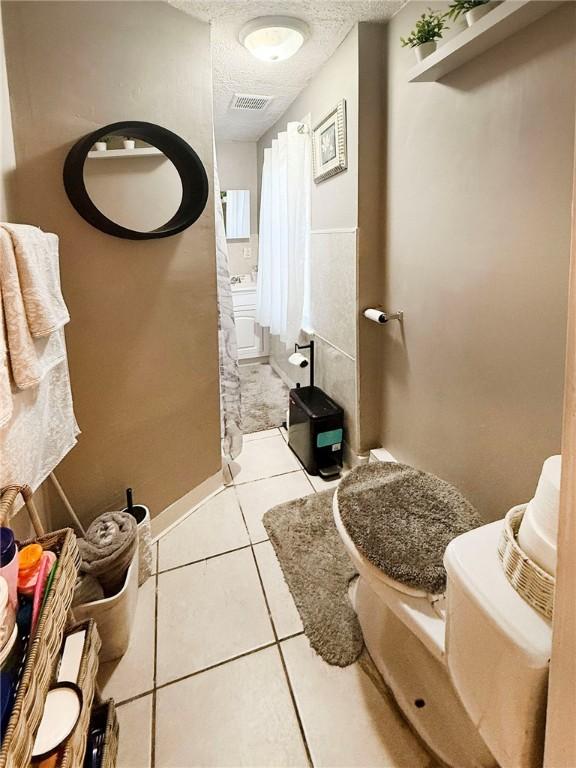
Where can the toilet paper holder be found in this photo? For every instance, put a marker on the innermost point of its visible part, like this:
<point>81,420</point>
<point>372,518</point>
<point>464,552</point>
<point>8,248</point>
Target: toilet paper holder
<point>300,361</point>
<point>378,315</point>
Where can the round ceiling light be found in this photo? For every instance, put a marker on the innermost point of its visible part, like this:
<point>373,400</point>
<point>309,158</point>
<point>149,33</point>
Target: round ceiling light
<point>274,38</point>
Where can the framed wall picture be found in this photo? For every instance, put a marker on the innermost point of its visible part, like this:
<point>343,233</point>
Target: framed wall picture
<point>329,144</point>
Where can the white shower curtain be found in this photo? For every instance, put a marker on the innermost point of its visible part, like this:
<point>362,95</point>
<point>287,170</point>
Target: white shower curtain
<point>284,232</point>
<point>230,395</point>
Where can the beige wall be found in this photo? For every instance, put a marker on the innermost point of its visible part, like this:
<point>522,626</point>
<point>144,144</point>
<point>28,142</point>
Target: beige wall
<point>140,193</point>
<point>7,158</point>
<point>142,342</point>
<point>238,169</point>
<point>560,744</point>
<point>478,194</point>
<point>334,204</point>
<point>371,227</point>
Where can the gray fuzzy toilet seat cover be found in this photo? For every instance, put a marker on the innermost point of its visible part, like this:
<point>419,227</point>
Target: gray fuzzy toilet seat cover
<point>402,520</point>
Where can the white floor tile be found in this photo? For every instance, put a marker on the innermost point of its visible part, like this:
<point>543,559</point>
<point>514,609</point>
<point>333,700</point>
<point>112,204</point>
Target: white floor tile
<point>209,612</point>
<point>284,433</point>
<point>259,496</point>
<point>259,435</point>
<point>323,485</point>
<point>284,612</point>
<point>135,743</point>
<point>214,528</point>
<point>346,720</point>
<point>239,714</point>
<point>263,458</point>
<point>133,674</point>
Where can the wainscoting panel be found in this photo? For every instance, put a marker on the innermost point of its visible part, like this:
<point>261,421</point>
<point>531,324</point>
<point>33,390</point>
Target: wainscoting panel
<point>333,287</point>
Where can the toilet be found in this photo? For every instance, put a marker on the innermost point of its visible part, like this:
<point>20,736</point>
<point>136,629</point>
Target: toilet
<point>469,669</point>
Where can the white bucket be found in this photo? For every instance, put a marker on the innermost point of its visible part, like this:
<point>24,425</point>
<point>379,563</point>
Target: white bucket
<point>114,615</point>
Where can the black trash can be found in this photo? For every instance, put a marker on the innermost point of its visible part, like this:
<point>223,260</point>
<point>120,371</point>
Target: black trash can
<point>316,431</point>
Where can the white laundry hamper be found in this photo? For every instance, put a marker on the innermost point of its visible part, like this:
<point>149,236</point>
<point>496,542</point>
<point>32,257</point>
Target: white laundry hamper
<point>114,615</point>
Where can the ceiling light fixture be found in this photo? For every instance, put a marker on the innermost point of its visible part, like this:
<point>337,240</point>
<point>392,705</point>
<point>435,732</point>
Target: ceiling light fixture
<point>274,38</point>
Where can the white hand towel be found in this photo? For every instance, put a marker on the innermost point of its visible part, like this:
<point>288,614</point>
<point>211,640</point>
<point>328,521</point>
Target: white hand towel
<point>40,433</point>
<point>5,386</point>
<point>38,270</point>
<point>23,356</point>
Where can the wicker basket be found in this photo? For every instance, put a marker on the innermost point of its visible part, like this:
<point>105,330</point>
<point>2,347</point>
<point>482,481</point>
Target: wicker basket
<point>8,496</point>
<point>105,730</point>
<point>75,747</point>
<point>43,652</point>
<point>531,582</point>
<point>111,737</point>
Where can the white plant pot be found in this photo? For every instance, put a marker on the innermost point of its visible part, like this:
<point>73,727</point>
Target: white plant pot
<point>142,515</point>
<point>425,50</point>
<point>455,29</point>
<point>114,615</point>
<point>475,14</point>
<point>129,144</point>
<point>101,146</point>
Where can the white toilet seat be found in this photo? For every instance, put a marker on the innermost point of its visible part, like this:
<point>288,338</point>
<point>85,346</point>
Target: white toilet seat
<point>365,568</point>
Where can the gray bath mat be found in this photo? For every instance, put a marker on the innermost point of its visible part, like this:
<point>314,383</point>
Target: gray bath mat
<point>318,571</point>
<point>264,397</point>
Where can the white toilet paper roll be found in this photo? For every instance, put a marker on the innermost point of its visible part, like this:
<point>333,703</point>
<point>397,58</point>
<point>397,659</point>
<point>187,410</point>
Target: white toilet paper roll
<point>376,315</point>
<point>539,527</point>
<point>298,360</point>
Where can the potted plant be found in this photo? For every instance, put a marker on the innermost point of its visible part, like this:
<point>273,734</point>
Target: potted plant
<point>427,30</point>
<point>473,10</point>
<point>128,143</point>
<point>102,144</point>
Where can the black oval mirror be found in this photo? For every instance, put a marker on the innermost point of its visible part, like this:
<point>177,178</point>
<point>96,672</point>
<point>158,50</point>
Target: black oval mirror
<point>121,152</point>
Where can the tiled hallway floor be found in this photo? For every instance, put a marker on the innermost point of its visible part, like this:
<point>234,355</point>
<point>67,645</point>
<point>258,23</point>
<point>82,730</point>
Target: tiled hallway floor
<point>218,672</point>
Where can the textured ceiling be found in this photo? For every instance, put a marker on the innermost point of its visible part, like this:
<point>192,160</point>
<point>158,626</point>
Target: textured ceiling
<point>237,71</point>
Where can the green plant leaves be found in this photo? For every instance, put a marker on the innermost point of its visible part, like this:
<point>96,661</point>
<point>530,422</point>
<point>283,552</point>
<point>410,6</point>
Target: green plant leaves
<point>458,7</point>
<point>429,27</point>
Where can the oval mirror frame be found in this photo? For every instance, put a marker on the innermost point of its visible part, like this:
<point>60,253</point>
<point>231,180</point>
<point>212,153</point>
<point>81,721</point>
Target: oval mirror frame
<point>189,166</point>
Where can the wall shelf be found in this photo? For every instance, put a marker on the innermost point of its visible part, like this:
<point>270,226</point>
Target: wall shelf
<point>96,154</point>
<point>501,22</point>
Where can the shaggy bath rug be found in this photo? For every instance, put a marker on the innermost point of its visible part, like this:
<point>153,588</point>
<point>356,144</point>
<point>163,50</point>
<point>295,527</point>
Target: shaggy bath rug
<point>402,520</point>
<point>318,571</point>
<point>264,397</point>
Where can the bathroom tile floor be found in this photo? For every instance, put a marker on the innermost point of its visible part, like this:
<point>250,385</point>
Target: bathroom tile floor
<point>219,672</point>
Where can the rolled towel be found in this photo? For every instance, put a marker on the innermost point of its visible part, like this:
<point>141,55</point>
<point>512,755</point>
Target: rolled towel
<point>108,548</point>
<point>87,590</point>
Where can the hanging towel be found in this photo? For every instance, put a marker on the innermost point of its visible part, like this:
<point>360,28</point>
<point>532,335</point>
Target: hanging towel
<point>23,356</point>
<point>41,429</point>
<point>5,386</point>
<point>36,255</point>
<point>41,432</point>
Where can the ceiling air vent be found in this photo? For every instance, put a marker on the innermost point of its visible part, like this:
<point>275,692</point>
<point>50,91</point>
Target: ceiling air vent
<point>250,102</point>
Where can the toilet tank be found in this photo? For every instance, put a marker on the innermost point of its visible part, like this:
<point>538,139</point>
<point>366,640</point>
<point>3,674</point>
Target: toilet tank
<point>497,650</point>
